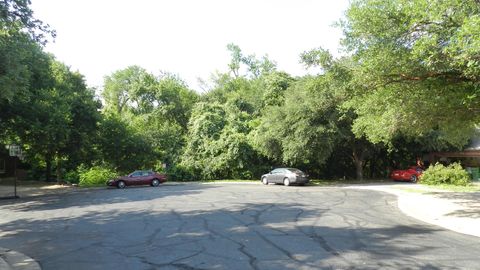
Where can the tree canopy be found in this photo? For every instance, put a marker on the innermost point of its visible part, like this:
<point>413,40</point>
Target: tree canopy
<point>417,67</point>
<point>407,83</point>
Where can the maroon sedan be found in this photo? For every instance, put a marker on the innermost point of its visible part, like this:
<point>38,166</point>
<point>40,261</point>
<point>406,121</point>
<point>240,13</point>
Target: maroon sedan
<point>138,178</point>
<point>411,174</point>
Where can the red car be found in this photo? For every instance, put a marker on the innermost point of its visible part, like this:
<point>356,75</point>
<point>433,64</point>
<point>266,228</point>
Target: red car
<point>138,178</point>
<point>411,174</point>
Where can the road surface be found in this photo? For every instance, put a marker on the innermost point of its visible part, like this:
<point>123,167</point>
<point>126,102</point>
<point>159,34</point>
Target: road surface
<point>228,226</point>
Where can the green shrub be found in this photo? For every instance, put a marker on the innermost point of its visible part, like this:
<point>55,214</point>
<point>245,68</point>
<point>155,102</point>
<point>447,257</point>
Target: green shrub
<point>96,176</point>
<point>453,174</point>
<point>72,177</point>
<point>181,173</point>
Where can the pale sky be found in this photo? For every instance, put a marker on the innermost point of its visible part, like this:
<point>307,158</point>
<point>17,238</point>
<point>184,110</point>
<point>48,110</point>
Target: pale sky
<point>186,37</point>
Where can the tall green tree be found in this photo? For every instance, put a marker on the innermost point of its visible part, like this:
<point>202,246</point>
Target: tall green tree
<point>58,123</point>
<point>17,16</point>
<point>418,67</point>
<point>254,67</point>
<point>20,36</point>
<point>154,108</point>
<point>217,142</point>
<point>129,90</point>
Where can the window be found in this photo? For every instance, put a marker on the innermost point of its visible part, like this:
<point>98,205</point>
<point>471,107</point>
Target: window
<point>136,174</point>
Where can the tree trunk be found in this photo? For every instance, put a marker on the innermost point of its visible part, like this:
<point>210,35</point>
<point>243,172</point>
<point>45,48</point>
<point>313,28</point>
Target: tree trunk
<point>59,171</point>
<point>48,175</point>
<point>358,156</point>
<point>359,169</point>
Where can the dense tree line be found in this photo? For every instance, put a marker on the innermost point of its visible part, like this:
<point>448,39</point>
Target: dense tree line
<point>408,83</point>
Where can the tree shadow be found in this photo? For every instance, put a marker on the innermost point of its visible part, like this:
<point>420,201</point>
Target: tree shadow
<point>470,201</point>
<point>86,198</point>
<point>242,236</point>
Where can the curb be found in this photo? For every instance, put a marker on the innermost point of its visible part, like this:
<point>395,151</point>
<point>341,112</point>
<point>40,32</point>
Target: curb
<point>14,260</point>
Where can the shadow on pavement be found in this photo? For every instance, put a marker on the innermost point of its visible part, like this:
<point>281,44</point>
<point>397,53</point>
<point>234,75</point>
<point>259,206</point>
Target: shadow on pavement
<point>470,201</point>
<point>244,236</point>
<point>93,197</point>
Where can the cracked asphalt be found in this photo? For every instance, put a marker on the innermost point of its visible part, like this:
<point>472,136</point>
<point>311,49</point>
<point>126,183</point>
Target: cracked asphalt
<point>228,226</point>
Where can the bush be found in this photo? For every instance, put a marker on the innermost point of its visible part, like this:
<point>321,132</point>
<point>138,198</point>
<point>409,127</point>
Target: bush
<point>181,173</point>
<point>72,177</point>
<point>96,176</point>
<point>453,174</point>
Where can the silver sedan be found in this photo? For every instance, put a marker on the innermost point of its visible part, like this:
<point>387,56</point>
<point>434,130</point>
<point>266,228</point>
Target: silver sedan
<point>286,176</point>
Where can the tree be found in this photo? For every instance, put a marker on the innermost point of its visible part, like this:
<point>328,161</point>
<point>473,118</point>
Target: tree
<point>417,68</point>
<point>16,16</point>
<point>217,142</point>
<point>123,147</point>
<point>275,84</point>
<point>20,36</point>
<point>58,121</point>
<point>129,91</point>
<point>300,135</point>
<point>155,110</point>
<point>255,67</point>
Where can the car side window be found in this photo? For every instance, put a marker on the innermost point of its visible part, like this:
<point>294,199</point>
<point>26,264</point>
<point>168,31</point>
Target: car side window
<point>276,171</point>
<point>136,174</point>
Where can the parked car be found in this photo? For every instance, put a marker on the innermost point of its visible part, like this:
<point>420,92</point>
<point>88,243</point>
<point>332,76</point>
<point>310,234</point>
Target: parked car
<point>411,174</point>
<point>286,176</point>
<point>138,178</point>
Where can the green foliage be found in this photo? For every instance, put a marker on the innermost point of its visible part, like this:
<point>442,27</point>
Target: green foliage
<point>303,130</point>
<point>275,85</point>
<point>147,117</point>
<point>96,176</point>
<point>452,174</point>
<point>122,147</point>
<point>255,67</point>
<point>182,174</point>
<point>416,68</point>
<point>72,177</point>
<point>409,84</point>
<point>217,144</point>
<point>128,90</point>
<point>17,16</point>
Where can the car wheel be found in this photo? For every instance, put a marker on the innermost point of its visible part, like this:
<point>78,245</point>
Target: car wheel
<point>286,182</point>
<point>121,184</point>
<point>155,183</point>
<point>265,181</point>
<point>413,178</point>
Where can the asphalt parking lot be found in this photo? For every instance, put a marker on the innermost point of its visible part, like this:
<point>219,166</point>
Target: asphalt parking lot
<point>228,226</point>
